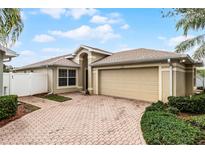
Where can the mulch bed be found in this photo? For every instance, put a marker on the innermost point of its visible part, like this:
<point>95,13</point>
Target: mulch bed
<point>22,110</point>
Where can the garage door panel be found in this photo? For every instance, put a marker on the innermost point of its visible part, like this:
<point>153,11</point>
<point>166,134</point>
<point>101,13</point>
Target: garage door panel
<point>138,83</point>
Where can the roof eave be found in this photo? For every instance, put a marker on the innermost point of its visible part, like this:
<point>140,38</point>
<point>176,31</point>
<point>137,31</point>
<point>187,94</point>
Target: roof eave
<point>50,65</point>
<point>140,61</point>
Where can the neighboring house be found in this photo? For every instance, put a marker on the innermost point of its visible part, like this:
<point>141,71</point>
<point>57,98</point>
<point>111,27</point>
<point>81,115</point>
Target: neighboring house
<point>200,81</point>
<point>143,74</point>
<point>5,56</point>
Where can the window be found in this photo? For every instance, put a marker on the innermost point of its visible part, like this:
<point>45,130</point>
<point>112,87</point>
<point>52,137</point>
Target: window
<point>66,77</point>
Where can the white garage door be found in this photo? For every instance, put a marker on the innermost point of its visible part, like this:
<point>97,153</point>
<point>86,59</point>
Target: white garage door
<point>137,83</point>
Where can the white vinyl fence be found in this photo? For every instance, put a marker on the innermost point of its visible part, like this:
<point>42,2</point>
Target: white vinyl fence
<point>24,84</point>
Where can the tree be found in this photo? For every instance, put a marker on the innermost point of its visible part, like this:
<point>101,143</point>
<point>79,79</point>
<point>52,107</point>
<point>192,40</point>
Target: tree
<point>190,19</point>
<point>201,77</point>
<point>11,25</point>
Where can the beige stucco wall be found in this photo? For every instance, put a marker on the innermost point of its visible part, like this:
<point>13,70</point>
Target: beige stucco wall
<point>92,56</point>
<point>180,83</point>
<point>57,89</point>
<point>165,85</point>
<point>189,80</point>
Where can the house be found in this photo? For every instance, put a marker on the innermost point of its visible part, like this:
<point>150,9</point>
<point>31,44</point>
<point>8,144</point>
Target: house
<point>5,56</point>
<point>143,74</point>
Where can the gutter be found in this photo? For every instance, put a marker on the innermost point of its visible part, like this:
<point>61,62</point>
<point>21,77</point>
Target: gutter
<point>7,60</point>
<point>137,61</point>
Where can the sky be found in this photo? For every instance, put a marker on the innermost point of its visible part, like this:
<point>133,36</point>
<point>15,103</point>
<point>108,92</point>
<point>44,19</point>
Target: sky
<point>52,32</point>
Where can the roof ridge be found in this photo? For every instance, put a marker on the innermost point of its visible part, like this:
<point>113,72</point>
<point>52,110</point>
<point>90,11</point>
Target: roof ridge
<point>153,50</point>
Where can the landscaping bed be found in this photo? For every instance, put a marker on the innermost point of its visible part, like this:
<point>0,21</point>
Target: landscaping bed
<point>180,121</point>
<point>54,97</point>
<point>22,109</point>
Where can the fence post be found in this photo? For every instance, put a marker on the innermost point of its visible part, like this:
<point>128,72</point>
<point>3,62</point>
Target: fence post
<point>10,82</point>
<point>29,79</point>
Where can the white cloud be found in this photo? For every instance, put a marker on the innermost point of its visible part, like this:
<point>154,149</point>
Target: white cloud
<point>98,19</point>
<point>173,41</point>
<point>78,13</point>
<point>27,53</point>
<point>178,39</point>
<point>15,45</point>
<point>125,26</point>
<point>55,50</point>
<point>54,13</point>
<point>43,38</point>
<point>74,13</point>
<point>123,47</point>
<point>102,33</point>
<point>23,16</point>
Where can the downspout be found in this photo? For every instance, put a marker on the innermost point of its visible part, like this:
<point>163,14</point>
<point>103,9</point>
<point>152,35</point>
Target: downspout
<point>170,77</point>
<point>51,92</point>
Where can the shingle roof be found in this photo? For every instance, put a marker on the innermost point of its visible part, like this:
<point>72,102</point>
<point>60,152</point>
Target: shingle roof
<point>137,56</point>
<point>56,61</point>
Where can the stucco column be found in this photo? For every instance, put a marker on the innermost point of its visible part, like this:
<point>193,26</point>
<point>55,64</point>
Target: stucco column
<point>1,73</point>
<point>90,85</point>
<point>189,81</point>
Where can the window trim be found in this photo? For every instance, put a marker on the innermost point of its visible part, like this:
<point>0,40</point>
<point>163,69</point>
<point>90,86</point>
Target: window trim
<point>76,78</point>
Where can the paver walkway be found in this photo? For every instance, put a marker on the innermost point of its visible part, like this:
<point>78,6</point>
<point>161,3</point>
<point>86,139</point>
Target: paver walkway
<point>82,120</point>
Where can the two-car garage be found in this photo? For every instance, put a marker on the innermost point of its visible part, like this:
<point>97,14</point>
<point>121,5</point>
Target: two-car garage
<point>134,83</point>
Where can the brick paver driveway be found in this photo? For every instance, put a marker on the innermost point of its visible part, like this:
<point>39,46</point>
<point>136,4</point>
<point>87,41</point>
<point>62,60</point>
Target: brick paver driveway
<point>82,120</point>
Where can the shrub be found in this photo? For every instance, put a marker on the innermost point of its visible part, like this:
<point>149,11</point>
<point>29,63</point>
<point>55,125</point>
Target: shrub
<point>158,106</point>
<point>166,128</point>
<point>198,121</point>
<point>172,110</point>
<point>8,106</point>
<point>194,104</point>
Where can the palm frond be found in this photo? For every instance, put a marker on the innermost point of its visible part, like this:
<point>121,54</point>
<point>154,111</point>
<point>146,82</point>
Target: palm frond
<point>190,43</point>
<point>200,52</point>
<point>11,25</point>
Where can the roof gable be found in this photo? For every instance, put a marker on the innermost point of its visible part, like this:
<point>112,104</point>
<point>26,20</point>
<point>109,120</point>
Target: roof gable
<point>91,49</point>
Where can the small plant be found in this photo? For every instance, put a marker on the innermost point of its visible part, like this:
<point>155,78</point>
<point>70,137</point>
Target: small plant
<point>198,121</point>
<point>8,106</point>
<point>172,110</point>
<point>158,106</point>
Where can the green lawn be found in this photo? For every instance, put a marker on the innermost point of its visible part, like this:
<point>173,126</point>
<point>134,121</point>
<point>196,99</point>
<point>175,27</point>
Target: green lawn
<point>55,97</point>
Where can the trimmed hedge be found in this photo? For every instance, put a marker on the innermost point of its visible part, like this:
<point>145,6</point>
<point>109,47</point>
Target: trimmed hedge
<point>164,128</point>
<point>8,106</point>
<point>194,104</point>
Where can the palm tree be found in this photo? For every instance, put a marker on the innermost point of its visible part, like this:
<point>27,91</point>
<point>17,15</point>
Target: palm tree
<point>11,25</point>
<point>190,19</point>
